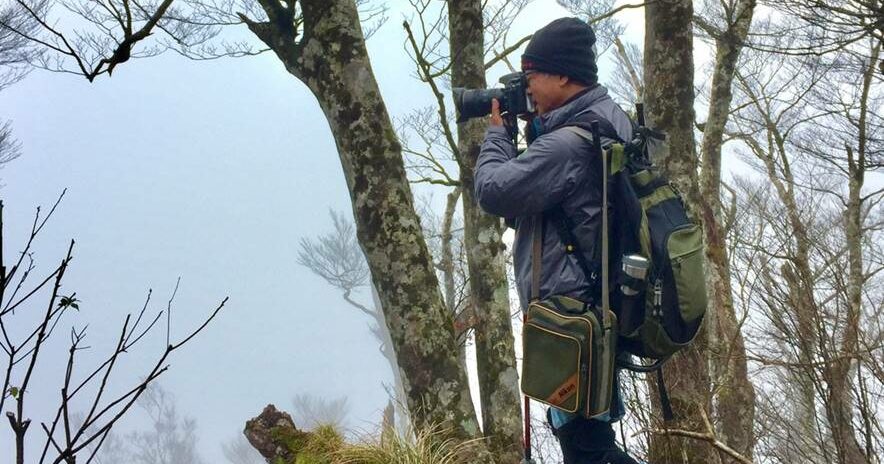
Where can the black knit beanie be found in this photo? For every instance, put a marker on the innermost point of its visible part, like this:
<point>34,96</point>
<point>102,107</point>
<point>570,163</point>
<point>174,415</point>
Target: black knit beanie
<point>563,47</point>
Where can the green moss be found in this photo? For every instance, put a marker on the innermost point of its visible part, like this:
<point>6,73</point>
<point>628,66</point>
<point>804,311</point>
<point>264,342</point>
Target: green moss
<point>292,439</point>
<point>316,447</point>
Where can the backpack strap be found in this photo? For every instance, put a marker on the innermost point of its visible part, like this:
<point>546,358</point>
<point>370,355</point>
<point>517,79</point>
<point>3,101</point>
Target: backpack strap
<point>606,284</point>
<point>563,224</point>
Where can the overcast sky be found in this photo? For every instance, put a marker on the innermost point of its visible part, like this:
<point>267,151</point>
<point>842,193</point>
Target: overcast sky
<point>211,171</point>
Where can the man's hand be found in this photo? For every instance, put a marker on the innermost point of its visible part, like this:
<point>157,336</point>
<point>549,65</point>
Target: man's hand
<point>496,120</point>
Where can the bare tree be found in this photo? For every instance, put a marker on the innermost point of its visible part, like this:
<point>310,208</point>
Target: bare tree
<point>238,451</point>
<point>815,139</point>
<point>66,435</point>
<point>338,259</point>
<point>16,52</point>
<point>312,411</point>
<point>168,439</point>
<point>387,226</point>
<point>489,291</point>
<point>627,83</point>
<point>121,30</point>
<point>826,26</point>
<point>171,439</point>
<point>669,99</point>
<point>10,148</point>
<point>726,25</point>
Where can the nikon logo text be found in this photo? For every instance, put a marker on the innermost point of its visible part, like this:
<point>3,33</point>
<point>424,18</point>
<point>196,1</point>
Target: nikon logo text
<point>564,392</point>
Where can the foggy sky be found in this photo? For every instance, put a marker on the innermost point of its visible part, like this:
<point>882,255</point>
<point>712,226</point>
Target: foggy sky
<point>211,171</point>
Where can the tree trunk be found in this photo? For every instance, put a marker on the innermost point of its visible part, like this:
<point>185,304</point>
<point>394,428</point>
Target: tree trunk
<point>840,404</point>
<point>495,353</point>
<point>735,411</point>
<point>331,59</point>
<point>400,420</point>
<point>669,102</point>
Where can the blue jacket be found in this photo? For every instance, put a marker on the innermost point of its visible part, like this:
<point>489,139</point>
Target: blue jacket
<point>559,169</point>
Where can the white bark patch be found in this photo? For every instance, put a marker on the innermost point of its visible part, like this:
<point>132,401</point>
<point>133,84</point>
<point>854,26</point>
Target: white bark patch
<point>486,236</point>
<point>501,293</point>
<point>445,392</point>
<point>312,50</point>
<point>509,377</point>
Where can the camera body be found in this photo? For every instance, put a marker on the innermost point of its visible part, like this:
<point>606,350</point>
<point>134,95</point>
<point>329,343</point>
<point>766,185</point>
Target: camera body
<point>476,103</point>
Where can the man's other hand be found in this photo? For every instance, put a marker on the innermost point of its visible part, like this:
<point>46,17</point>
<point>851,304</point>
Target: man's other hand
<point>496,120</point>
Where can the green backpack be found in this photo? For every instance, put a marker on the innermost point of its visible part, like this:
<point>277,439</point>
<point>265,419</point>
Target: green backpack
<point>655,281</point>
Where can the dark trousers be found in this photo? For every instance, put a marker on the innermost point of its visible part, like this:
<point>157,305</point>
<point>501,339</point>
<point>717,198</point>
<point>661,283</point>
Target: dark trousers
<point>587,441</point>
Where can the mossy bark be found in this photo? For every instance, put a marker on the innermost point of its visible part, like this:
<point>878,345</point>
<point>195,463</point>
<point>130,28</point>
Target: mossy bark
<point>327,53</point>
<point>735,400</point>
<point>495,353</point>
<point>669,103</point>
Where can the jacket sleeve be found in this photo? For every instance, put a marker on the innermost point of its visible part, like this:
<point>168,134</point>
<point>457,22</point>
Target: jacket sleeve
<point>536,180</point>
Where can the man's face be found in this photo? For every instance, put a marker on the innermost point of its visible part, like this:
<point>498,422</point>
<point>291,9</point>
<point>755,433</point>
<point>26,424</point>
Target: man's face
<point>545,90</point>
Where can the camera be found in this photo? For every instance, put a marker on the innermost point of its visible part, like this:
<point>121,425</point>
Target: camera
<point>475,103</point>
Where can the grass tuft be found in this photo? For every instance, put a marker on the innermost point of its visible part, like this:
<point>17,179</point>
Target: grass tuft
<point>430,446</point>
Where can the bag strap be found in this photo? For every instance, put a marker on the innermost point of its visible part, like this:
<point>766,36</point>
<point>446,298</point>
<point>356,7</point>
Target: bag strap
<point>536,255</point>
<point>665,404</point>
<point>536,265</point>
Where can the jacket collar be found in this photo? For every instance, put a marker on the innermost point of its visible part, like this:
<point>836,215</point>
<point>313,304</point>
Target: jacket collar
<point>570,110</point>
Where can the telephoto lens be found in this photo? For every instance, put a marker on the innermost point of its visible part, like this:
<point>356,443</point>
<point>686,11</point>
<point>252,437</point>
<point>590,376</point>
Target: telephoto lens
<point>475,103</point>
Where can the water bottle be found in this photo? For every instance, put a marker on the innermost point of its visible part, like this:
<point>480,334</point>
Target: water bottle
<point>636,267</point>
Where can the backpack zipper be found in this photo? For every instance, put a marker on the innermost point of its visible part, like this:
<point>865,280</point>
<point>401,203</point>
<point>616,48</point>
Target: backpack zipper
<point>658,297</point>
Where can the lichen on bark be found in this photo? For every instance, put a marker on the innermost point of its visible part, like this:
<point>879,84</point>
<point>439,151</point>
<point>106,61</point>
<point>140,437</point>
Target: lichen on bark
<point>735,398</point>
<point>669,105</point>
<point>331,59</point>
<point>495,352</point>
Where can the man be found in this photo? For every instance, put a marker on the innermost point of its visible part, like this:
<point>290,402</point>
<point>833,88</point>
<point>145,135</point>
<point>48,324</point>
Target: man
<point>559,171</point>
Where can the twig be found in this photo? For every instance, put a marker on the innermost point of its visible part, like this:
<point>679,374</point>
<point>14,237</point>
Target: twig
<point>424,68</point>
<point>707,437</point>
<point>506,51</point>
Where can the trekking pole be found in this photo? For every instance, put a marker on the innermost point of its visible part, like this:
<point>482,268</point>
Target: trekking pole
<point>527,451</point>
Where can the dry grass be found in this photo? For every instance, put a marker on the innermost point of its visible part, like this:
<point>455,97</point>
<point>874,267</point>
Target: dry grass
<point>428,447</point>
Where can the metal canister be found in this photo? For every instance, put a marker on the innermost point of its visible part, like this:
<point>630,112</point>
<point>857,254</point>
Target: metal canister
<point>636,267</point>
